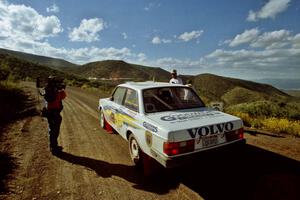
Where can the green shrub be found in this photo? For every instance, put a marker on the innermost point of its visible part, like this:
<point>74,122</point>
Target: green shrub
<point>4,72</point>
<point>290,110</point>
<point>281,126</point>
<point>13,101</point>
<point>273,124</point>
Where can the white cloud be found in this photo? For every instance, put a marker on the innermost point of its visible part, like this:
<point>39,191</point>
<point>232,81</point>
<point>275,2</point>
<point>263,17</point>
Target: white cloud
<point>269,10</point>
<point>141,57</point>
<point>268,40</point>
<point>88,30</point>
<point>270,61</point>
<point>187,36</point>
<point>245,37</point>
<point>158,40</point>
<point>279,56</point>
<point>151,6</point>
<point>75,55</point>
<point>23,29</point>
<point>170,63</point>
<point>20,21</point>
<point>296,41</point>
<point>125,36</point>
<point>271,40</point>
<point>54,8</point>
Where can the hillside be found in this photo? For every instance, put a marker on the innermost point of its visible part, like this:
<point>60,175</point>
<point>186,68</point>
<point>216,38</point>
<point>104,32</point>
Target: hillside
<point>294,93</point>
<point>210,87</point>
<point>42,60</point>
<point>286,84</point>
<point>23,70</point>
<point>234,91</point>
<point>118,69</point>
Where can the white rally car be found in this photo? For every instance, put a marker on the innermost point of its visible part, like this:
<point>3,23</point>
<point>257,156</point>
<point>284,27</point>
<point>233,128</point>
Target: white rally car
<point>167,122</point>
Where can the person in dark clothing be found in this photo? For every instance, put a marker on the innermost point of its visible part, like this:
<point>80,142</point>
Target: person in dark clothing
<point>54,94</point>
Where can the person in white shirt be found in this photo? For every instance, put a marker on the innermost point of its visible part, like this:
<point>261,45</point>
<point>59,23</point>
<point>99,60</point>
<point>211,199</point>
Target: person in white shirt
<point>175,79</point>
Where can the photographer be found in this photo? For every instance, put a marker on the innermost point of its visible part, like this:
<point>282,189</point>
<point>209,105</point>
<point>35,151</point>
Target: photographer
<point>54,94</point>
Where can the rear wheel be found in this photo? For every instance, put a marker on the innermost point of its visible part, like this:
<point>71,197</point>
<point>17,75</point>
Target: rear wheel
<point>135,151</point>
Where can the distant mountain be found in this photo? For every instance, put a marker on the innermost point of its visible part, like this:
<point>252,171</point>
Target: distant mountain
<point>41,60</point>
<point>234,91</point>
<point>286,84</point>
<point>118,69</point>
<point>210,87</point>
<point>294,93</point>
<point>24,70</point>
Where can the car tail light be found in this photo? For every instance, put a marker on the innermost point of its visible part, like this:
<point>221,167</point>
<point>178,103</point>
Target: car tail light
<point>235,135</point>
<point>175,148</point>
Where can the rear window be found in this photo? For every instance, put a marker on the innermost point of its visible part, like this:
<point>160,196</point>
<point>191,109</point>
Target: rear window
<point>170,98</point>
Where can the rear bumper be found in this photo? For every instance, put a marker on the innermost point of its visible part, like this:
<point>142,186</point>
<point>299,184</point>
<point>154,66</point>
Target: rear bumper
<point>171,162</point>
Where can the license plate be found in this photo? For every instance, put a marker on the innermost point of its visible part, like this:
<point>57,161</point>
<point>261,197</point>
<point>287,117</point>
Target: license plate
<point>209,141</point>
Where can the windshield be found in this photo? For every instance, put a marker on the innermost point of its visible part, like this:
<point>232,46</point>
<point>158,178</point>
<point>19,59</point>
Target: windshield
<point>170,98</point>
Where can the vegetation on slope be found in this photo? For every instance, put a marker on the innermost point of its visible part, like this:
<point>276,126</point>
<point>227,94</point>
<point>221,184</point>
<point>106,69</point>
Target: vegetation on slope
<point>14,103</point>
<point>117,69</point>
<point>41,60</point>
<point>259,105</point>
<point>277,117</point>
<point>18,69</point>
<point>234,91</point>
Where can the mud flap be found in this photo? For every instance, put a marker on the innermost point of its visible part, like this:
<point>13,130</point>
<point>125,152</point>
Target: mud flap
<point>150,166</point>
<point>108,128</point>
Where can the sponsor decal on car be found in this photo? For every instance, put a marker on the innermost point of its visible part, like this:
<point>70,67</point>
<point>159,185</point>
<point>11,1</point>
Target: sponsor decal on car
<point>119,117</point>
<point>150,127</point>
<point>190,116</point>
<point>148,136</point>
<point>112,117</point>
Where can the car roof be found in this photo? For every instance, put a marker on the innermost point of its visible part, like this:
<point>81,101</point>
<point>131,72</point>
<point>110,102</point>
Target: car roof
<point>148,84</point>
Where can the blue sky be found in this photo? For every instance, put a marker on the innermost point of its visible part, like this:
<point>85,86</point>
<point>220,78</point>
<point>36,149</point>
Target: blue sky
<point>250,39</point>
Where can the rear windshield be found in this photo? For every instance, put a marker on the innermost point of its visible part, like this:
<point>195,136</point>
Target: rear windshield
<point>170,98</point>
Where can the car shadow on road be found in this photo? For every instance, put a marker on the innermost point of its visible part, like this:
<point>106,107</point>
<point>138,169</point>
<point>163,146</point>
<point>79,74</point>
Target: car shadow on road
<point>253,173</point>
<point>8,165</point>
<point>127,172</point>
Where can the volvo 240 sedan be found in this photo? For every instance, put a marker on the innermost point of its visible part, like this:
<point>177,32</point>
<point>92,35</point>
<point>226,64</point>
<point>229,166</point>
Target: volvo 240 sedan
<point>167,122</point>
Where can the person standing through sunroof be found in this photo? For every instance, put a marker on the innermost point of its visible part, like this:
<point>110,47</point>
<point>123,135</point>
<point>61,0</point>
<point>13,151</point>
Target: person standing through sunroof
<point>175,79</point>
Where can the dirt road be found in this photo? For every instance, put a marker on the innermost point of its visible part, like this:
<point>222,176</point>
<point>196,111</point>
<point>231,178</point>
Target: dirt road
<point>96,165</point>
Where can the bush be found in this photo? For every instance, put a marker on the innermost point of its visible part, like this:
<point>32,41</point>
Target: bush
<point>244,116</point>
<point>4,72</point>
<point>282,126</point>
<point>290,110</point>
<point>13,102</point>
<point>273,124</point>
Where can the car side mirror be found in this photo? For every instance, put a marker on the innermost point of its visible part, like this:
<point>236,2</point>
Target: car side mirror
<point>111,98</point>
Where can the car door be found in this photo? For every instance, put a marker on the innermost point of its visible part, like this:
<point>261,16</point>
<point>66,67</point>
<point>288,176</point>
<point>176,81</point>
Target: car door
<point>116,108</point>
<point>129,112</point>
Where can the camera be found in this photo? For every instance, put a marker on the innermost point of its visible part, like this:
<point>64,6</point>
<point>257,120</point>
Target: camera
<point>52,81</point>
<point>59,84</point>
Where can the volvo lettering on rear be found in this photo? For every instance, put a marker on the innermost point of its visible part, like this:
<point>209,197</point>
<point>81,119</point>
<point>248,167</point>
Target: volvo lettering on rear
<point>210,130</point>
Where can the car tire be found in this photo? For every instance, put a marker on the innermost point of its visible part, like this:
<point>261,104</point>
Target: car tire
<point>102,120</point>
<point>135,151</point>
